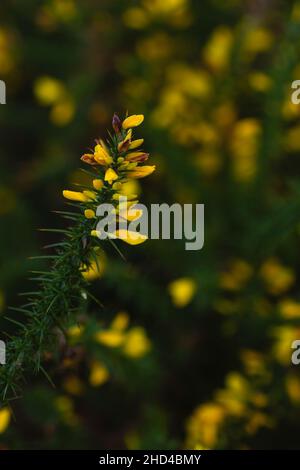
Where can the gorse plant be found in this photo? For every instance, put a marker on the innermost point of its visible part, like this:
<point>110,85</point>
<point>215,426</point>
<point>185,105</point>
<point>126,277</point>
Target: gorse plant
<point>63,289</point>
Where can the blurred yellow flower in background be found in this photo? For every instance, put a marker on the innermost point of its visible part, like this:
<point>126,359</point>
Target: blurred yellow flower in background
<point>216,53</point>
<point>65,407</point>
<point>204,425</point>
<point>244,148</point>
<point>4,419</point>
<point>73,385</point>
<point>289,308</point>
<point>282,348</point>
<point>99,374</point>
<point>292,384</point>
<point>277,278</point>
<point>49,90</point>
<point>182,291</point>
<point>236,276</point>
<point>96,267</point>
<point>136,343</point>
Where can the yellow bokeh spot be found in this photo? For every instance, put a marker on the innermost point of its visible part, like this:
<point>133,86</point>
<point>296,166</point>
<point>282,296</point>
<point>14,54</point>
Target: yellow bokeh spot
<point>99,374</point>
<point>49,90</point>
<point>292,384</point>
<point>182,291</point>
<point>236,276</point>
<point>277,278</point>
<point>217,51</point>
<point>4,419</point>
<point>73,385</point>
<point>63,112</point>
<point>289,308</point>
<point>110,338</point>
<point>120,322</point>
<point>136,343</point>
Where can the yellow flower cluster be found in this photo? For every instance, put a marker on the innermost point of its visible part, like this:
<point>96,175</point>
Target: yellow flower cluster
<point>116,163</point>
<point>134,341</point>
<point>239,400</point>
<point>131,342</point>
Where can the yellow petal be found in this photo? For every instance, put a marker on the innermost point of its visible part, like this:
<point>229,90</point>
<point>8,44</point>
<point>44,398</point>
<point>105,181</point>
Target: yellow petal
<point>75,331</point>
<point>73,385</point>
<point>75,196</point>
<point>89,213</point>
<point>4,419</point>
<point>141,171</point>
<point>101,155</point>
<point>136,143</point>
<point>95,233</point>
<point>120,322</point>
<point>110,175</point>
<point>90,195</point>
<point>132,238</point>
<point>110,338</point>
<point>131,213</point>
<point>98,374</point>
<point>182,291</point>
<point>137,343</point>
<point>98,184</point>
<point>133,121</point>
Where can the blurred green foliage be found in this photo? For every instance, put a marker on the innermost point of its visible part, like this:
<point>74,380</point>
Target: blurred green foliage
<point>212,330</point>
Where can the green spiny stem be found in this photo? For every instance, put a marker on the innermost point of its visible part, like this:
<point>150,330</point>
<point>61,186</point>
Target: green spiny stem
<point>60,292</point>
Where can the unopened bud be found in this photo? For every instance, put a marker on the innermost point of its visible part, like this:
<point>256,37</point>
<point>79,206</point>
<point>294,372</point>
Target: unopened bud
<point>116,123</point>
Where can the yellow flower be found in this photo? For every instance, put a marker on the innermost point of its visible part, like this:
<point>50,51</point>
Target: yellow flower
<point>98,374</point>
<point>110,338</point>
<point>236,394</point>
<point>63,112</point>
<point>204,424</point>
<point>217,51</point>
<point>124,145</point>
<point>66,408</point>
<point>75,331</point>
<point>73,385</point>
<point>121,321</point>
<point>182,291</point>
<point>136,343</point>
<point>136,157</point>
<point>244,147</point>
<point>48,90</point>
<point>133,121</point>
<point>258,420</point>
<point>94,271</point>
<point>135,18</point>
<point>131,213</point>
<point>110,175</point>
<point>284,337</point>
<point>292,383</point>
<point>75,196</point>
<point>257,40</point>
<point>141,171</point>
<point>236,276</point>
<point>102,156</point>
<point>4,419</point>
<point>98,184</point>
<point>136,143</point>
<point>132,238</point>
<point>95,233</point>
<point>89,213</point>
<point>253,361</point>
<point>277,278</point>
<point>96,266</point>
<point>260,81</point>
<point>289,308</point>
<point>91,195</point>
